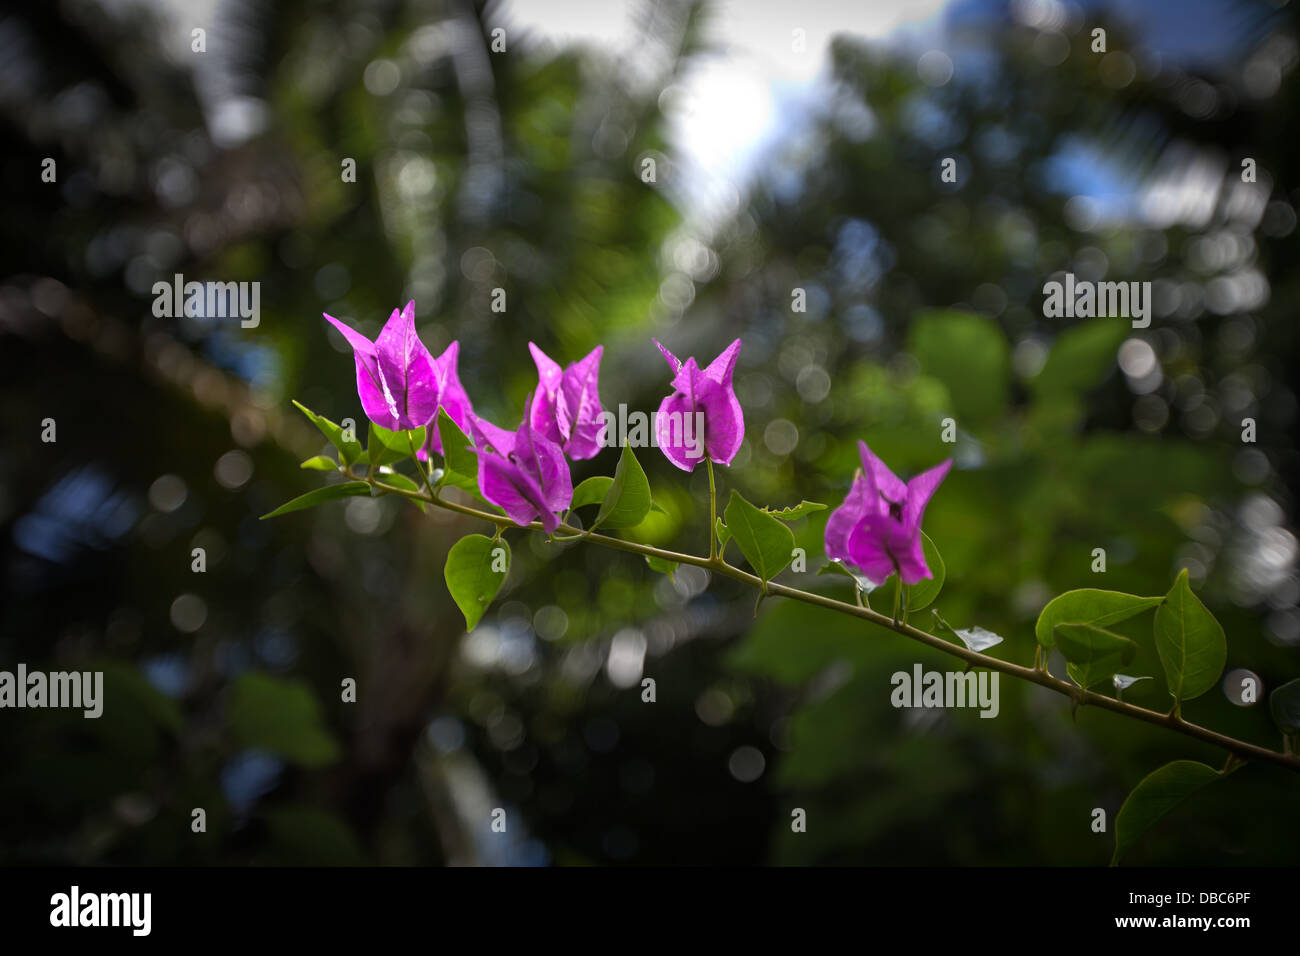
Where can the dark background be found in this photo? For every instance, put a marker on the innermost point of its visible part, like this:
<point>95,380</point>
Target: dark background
<point>520,170</point>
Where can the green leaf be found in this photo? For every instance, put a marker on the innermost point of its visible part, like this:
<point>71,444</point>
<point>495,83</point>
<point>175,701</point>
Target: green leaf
<point>1190,642</point>
<point>1153,798</point>
<point>282,716</point>
<point>386,447</point>
<point>628,500</point>
<point>723,534</point>
<point>765,542</point>
<point>461,461</point>
<point>1284,705</point>
<point>475,572</point>
<point>311,499</point>
<point>349,451</point>
<point>591,492</point>
<point>1089,606</point>
<point>1093,654</point>
<point>970,355</point>
<point>662,565</point>
<point>804,507</point>
<point>320,463</point>
<point>922,593</point>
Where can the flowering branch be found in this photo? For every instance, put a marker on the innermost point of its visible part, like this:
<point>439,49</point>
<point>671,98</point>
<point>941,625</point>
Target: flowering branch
<point>716,563</point>
<point>418,408</point>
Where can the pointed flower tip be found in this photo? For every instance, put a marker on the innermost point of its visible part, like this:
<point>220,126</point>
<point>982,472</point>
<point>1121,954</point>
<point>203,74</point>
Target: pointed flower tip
<point>673,362</point>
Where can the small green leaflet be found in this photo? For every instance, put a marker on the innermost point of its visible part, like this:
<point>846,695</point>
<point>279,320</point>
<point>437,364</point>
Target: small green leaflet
<point>320,463</point>
<point>476,568</point>
<point>345,489</point>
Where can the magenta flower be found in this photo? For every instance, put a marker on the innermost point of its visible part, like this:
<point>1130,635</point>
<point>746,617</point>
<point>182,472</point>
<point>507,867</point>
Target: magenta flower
<point>701,401</point>
<point>525,474</point>
<point>452,397</point>
<point>567,407</point>
<point>878,528</point>
<point>400,384</point>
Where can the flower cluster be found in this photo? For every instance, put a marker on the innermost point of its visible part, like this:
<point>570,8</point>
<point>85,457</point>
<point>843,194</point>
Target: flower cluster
<point>526,471</point>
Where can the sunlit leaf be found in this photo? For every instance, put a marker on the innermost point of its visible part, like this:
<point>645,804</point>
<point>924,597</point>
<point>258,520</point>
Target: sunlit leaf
<point>627,501</point>
<point>476,568</point>
<point>766,543</point>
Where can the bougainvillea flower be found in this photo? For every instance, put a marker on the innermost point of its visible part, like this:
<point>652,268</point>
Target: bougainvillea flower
<point>529,479</point>
<point>567,406</point>
<point>878,528</point>
<point>400,384</point>
<point>452,397</point>
<point>710,394</point>
<point>493,437</point>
